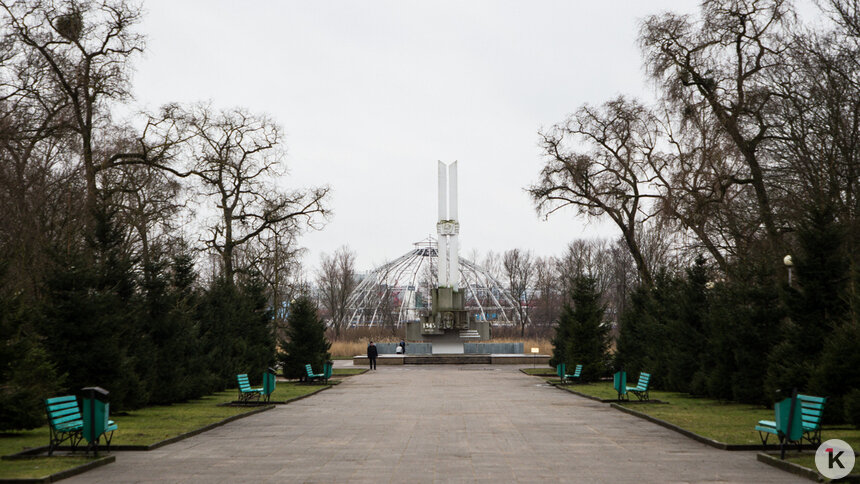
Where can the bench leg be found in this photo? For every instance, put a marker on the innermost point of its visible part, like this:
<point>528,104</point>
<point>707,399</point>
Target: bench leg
<point>108,438</point>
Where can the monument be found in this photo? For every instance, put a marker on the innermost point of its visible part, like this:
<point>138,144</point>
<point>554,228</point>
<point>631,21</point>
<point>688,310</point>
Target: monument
<point>447,325</point>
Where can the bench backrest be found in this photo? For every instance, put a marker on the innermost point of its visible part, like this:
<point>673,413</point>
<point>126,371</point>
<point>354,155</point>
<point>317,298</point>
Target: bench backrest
<point>577,371</point>
<point>244,384</point>
<point>644,378</point>
<point>63,410</point>
<point>309,370</point>
<point>812,409</point>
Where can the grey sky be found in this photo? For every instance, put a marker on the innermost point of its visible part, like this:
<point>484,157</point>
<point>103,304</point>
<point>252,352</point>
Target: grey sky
<point>371,94</point>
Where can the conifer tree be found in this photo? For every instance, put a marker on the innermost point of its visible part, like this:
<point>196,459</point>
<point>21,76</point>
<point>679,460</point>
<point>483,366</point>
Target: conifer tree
<point>304,340</point>
<point>588,331</point>
<point>27,376</point>
<point>92,312</point>
<point>685,329</point>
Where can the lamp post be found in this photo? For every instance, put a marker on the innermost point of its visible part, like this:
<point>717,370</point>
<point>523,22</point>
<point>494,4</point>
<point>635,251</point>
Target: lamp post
<point>789,264</point>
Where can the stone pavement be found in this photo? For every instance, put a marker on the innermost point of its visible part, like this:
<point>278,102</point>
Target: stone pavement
<point>440,423</point>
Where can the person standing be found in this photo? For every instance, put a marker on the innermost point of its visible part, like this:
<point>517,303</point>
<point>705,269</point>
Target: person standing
<point>403,345</point>
<point>372,353</point>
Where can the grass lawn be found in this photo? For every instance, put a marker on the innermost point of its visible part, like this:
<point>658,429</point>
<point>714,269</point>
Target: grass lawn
<point>732,423</point>
<point>139,427</point>
<point>38,467</point>
<point>805,460</point>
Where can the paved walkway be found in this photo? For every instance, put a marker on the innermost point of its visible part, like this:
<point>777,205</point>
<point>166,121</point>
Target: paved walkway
<point>425,424</point>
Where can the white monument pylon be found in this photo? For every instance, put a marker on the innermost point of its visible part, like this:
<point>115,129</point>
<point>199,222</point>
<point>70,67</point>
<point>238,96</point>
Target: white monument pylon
<point>448,227</point>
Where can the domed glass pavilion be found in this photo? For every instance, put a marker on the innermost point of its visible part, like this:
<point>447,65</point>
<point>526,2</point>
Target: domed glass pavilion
<point>398,292</point>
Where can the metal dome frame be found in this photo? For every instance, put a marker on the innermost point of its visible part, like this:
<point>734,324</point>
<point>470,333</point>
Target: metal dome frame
<point>405,284</point>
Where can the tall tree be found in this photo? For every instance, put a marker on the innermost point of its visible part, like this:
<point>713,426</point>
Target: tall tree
<point>520,271</point>
<point>588,332</point>
<point>305,340</point>
<point>611,177</point>
<point>86,49</point>
<point>721,62</point>
<point>236,158</point>
<point>336,280</point>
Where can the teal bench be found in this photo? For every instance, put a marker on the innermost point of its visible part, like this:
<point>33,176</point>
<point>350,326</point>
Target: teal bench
<point>246,393</point>
<point>66,423</point>
<point>811,408</point>
<point>324,376</point>
<point>641,388</point>
<point>561,371</point>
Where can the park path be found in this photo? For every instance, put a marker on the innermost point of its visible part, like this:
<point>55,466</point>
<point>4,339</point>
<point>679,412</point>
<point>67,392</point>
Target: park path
<point>444,424</point>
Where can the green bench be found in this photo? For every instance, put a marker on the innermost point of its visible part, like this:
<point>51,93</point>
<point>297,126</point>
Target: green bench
<point>641,388</point>
<point>561,371</point>
<point>246,393</point>
<point>324,376</point>
<point>67,424</point>
<point>811,410</point>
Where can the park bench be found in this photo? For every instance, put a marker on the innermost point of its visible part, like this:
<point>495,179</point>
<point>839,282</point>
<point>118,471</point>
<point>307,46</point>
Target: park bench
<point>565,377</point>
<point>324,376</point>
<point>811,408</point>
<point>246,393</point>
<point>66,423</point>
<point>311,375</point>
<point>641,388</point>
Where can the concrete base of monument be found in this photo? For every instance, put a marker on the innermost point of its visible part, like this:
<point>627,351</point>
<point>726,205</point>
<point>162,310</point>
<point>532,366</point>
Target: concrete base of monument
<point>454,359</point>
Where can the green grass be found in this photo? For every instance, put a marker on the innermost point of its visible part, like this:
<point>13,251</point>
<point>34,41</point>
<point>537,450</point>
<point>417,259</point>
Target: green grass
<point>145,426</point>
<point>805,460</point>
<point>732,423</point>
<point>38,467</point>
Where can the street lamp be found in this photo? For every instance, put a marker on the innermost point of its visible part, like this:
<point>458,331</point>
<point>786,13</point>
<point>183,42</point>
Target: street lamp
<point>788,263</point>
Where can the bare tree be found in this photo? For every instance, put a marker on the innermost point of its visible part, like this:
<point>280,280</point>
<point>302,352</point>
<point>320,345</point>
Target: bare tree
<point>336,280</point>
<point>722,63</point>
<point>548,289</point>
<point>520,271</point>
<point>85,49</point>
<point>613,178</point>
<point>236,159</point>
<point>149,201</point>
<point>276,259</point>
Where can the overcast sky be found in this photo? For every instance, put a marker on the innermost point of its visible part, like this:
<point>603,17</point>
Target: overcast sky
<point>370,94</point>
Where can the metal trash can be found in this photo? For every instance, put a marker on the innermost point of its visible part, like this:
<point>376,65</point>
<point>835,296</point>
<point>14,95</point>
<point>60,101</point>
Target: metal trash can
<point>96,409</point>
<point>269,383</point>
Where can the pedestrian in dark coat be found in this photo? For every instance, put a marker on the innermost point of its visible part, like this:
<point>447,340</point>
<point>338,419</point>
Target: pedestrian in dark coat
<point>372,353</point>
<point>403,345</point>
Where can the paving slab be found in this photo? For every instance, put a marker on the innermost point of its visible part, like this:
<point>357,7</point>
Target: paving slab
<point>439,424</point>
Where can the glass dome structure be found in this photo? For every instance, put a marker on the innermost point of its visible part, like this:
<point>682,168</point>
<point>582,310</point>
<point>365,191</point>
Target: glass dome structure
<point>399,291</point>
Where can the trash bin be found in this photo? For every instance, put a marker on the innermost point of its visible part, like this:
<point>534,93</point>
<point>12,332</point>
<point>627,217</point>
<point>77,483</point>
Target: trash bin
<point>619,382</point>
<point>268,383</point>
<point>96,409</point>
